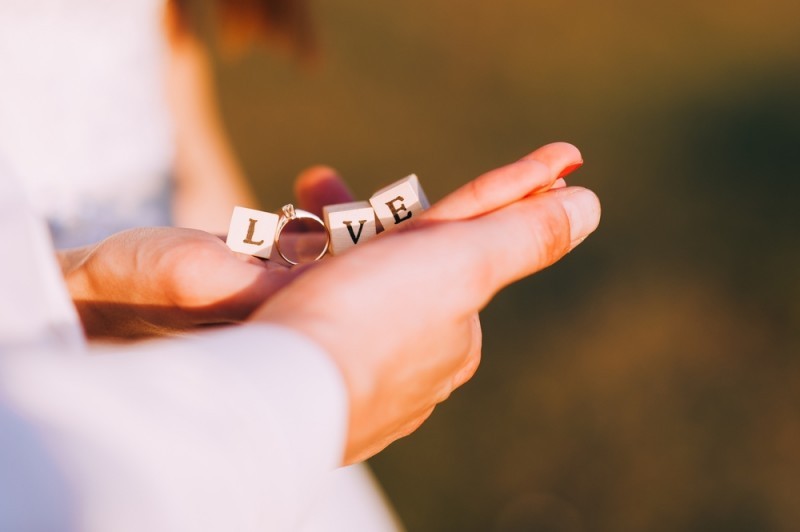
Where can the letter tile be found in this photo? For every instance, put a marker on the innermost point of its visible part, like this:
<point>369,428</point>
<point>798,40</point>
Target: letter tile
<point>349,224</point>
<point>399,201</point>
<point>252,232</point>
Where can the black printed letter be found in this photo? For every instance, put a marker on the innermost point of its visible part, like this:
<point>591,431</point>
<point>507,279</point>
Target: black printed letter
<point>354,236</point>
<point>396,210</point>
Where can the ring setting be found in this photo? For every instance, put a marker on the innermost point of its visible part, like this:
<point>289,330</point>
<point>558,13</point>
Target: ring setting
<point>289,214</point>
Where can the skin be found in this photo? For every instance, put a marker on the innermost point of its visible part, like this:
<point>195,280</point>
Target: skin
<point>156,281</point>
<point>397,314</point>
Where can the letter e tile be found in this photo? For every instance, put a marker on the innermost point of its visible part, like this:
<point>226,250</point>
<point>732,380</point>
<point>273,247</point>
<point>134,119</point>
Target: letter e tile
<point>399,202</point>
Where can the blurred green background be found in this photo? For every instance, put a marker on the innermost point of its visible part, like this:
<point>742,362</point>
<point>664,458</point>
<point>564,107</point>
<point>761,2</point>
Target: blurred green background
<point>650,380</point>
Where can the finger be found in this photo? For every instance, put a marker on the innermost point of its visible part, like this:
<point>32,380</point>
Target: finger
<point>466,262</point>
<point>533,173</point>
<point>561,157</point>
<point>490,252</point>
<point>528,236</point>
<point>258,283</point>
<point>235,289</point>
<point>320,186</point>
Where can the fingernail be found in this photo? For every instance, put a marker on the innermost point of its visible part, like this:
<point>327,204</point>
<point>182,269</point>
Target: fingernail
<point>583,210</point>
<point>559,183</point>
<point>569,169</point>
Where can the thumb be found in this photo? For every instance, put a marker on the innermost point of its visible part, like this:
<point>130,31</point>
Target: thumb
<point>319,186</point>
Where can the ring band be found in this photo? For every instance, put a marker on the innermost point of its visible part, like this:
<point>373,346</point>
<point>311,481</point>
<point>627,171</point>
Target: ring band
<point>289,214</point>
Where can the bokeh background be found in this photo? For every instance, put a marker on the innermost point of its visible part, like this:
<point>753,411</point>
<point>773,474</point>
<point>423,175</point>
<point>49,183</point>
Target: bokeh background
<point>650,380</point>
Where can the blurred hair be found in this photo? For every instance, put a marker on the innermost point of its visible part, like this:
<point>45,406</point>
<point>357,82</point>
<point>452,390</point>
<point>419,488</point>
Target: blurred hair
<point>242,23</point>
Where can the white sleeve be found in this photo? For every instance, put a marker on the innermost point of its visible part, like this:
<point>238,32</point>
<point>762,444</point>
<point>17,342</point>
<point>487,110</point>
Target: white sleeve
<point>229,430</point>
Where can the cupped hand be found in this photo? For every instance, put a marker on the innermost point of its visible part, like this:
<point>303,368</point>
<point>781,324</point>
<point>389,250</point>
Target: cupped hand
<point>152,281</point>
<point>398,313</point>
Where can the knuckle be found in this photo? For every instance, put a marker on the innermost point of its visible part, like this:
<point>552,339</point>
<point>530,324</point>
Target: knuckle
<point>549,236</point>
<point>535,165</point>
<point>475,191</point>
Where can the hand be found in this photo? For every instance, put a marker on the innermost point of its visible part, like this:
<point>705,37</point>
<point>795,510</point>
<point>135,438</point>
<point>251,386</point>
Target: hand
<point>153,281</point>
<point>398,313</point>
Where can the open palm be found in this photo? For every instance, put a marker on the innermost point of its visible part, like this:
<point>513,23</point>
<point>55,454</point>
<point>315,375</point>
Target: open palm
<point>151,281</point>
